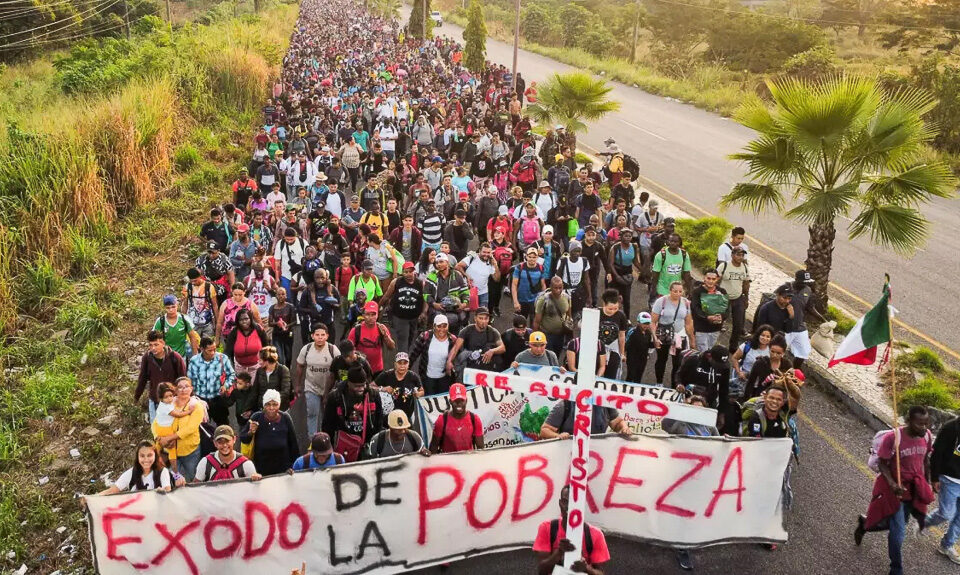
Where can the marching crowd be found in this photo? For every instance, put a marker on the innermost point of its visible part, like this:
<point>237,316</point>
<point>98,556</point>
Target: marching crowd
<point>395,205</point>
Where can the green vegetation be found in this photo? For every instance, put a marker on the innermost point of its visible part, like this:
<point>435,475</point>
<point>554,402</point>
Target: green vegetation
<point>101,190</point>
<point>701,238</point>
<point>922,359</point>
<point>475,35</point>
<point>572,99</point>
<point>937,387</point>
<point>420,24</point>
<point>841,147</point>
<point>929,392</point>
<point>844,322</point>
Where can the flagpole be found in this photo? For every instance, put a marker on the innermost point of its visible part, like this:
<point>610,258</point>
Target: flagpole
<point>893,378</point>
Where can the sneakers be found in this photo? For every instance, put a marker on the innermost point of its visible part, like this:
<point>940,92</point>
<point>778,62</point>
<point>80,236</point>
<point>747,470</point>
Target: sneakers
<point>684,559</point>
<point>950,553</point>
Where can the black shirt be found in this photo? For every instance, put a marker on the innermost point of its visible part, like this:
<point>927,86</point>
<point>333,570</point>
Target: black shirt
<point>574,346</point>
<point>404,391</point>
<point>774,427</point>
<point>772,314</point>
<point>514,344</point>
<point>407,300</point>
<point>611,326</point>
<point>215,233</point>
<point>594,254</point>
<point>476,340</point>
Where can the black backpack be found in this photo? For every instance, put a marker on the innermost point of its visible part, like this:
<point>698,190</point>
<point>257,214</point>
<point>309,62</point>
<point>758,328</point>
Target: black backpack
<point>443,427</point>
<point>630,164</point>
<point>588,535</point>
<point>766,297</point>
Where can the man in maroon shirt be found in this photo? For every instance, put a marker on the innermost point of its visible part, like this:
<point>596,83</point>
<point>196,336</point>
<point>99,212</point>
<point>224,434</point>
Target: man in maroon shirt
<point>457,429</point>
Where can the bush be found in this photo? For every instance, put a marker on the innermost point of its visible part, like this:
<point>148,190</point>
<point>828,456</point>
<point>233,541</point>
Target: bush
<point>186,157</point>
<point>922,359</point>
<point>752,42</point>
<point>844,322</point>
<point>40,284</point>
<point>702,237</point>
<point>812,64</point>
<point>929,392</point>
<point>83,252</point>
<point>87,321</point>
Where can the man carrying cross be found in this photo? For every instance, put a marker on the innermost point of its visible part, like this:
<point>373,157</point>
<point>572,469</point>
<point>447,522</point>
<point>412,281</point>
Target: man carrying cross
<point>551,544</point>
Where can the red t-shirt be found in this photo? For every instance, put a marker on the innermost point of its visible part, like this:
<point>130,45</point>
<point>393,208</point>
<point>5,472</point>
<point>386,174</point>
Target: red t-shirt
<point>459,433</point>
<point>913,452</point>
<point>369,341</point>
<point>600,552</point>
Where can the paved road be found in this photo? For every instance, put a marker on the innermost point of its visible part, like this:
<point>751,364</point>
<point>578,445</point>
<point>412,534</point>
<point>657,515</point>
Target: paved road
<point>682,152</point>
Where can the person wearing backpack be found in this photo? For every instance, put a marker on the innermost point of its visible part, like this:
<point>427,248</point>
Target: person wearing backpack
<point>527,227</point>
<point>551,544</point>
<point>320,455</point>
<point>902,488</point>
<point>370,337</point>
<point>177,329</point>
<point>945,472</point>
<point>707,373</point>
<point>671,264</point>
<point>574,271</point>
<point>710,306</point>
<point>528,282</point>
<point>735,279</point>
<point>457,429</point>
<point>639,346</point>
<point>397,439</point>
<point>624,257</point>
<point>288,256</point>
<point>725,251</point>
<point>225,463</point>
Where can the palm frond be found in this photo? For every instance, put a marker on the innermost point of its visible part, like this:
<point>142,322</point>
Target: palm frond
<point>912,186</point>
<point>753,197</point>
<point>573,98</point>
<point>755,115</point>
<point>901,228</point>
<point>820,207</point>
<point>821,114</point>
<point>769,159</point>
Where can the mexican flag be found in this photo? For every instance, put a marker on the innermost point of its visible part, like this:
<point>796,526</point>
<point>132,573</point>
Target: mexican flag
<point>873,329</point>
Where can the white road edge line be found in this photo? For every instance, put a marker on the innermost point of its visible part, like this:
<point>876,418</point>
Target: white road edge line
<point>644,130</point>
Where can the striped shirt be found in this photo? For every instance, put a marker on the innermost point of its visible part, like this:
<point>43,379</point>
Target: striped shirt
<point>205,375</point>
<point>432,228</point>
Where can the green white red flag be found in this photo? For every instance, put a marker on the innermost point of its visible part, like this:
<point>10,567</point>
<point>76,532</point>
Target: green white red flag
<point>872,330</point>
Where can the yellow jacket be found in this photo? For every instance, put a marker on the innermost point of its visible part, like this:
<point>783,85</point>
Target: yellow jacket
<point>188,430</point>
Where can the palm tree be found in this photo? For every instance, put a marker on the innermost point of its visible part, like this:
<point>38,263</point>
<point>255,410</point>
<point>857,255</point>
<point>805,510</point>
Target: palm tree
<point>842,147</point>
<point>572,99</point>
<point>389,9</point>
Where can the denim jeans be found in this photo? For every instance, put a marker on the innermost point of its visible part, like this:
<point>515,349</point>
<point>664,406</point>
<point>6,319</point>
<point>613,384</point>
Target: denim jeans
<point>314,412</point>
<point>187,464</point>
<point>947,512</point>
<point>898,528</point>
<point>151,410</point>
<point>483,300</point>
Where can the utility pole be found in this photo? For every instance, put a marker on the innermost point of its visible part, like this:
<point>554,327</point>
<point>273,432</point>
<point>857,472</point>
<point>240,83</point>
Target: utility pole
<point>126,17</point>
<point>516,45</point>
<point>636,34</point>
<point>423,25</point>
<point>169,20</point>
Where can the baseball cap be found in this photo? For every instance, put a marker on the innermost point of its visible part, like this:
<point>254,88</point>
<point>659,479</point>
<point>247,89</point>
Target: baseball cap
<point>367,265</point>
<point>803,276</point>
<point>461,213</point>
<point>437,159</point>
<point>169,299</point>
<point>354,198</point>
<point>464,195</point>
<point>291,207</point>
<point>458,391</point>
<point>397,419</point>
<point>408,265</point>
<point>653,204</point>
<point>321,444</point>
<point>482,311</point>
<point>544,184</point>
<point>785,290</point>
<point>558,157</point>
<point>243,228</point>
<point>538,337</point>
<point>548,229</point>
<point>502,210</point>
<point>211,246</point>
<point>442,257</point>
<point>575,245</point>
<point>719,356</point>
<point>371,306</point>
<point>559,127</point>
<point>669,220</point>
<point>738,250</point>
<point>402,356</point>
<point>223,431</point>
<point>644,317</point>
<point>440,320</point>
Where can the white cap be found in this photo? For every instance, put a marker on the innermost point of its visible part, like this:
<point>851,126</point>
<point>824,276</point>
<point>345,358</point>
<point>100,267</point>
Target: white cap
<point>440,320</point>
<point>559,127</point>
<point>548,229</point>
<point>442,257</point>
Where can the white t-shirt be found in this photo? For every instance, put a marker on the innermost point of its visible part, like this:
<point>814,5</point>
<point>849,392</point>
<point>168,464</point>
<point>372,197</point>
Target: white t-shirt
<point>572,272</point>
<point>163,418</point>
<point>642,219</point>
<point>317,363</point>
<point>437,358</point>
<point>545,203</point>
<point>284,252</point>
<point>479,273</point>
<point>333,205</point>
<point>667,310</point>
<point>125,481</point>
<point>725,249</point>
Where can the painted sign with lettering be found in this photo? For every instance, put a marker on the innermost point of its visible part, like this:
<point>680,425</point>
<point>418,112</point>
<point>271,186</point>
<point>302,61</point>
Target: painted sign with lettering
<point>409,512</point>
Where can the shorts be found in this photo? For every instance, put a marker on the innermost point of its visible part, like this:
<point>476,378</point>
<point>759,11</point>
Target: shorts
<point>799,344</point>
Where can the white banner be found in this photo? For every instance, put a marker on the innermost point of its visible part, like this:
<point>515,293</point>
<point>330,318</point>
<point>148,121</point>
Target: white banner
<point>510,418</point>
<point>409,512</point>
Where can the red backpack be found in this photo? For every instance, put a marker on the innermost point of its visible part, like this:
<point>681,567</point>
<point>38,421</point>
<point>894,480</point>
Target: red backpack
<point>217,471</point>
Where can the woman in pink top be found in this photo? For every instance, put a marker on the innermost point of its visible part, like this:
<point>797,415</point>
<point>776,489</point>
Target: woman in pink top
<point>228,311</point>
<point>244,343</point>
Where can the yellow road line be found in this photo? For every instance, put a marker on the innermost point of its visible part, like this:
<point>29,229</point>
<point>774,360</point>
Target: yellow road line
<point>837,446</point>
<point>660,188</point>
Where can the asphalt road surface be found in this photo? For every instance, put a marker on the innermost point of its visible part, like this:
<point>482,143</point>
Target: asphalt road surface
<point>683,153</point>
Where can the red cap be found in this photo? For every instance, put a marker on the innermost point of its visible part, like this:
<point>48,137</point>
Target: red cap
<point>464,195</point>
<point>458,391</point>
<point>243,228</point>
<point>371,306</point>
<point>408,265</point>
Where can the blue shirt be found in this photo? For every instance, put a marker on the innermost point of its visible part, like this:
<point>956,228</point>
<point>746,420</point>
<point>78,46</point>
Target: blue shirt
<point>308,462</point>
<point>525,277</point>
<point>205,375</point>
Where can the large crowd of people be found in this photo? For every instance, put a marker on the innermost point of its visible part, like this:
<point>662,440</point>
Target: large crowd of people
<point>396,205</point>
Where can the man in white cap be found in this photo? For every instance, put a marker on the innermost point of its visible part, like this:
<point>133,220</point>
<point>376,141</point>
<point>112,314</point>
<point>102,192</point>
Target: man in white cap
<point>545,199</point>
<point>401,384</point>
<point>397,439</point>
<point>432,349</point>
<point>549,251</point>
<point>225,463</point>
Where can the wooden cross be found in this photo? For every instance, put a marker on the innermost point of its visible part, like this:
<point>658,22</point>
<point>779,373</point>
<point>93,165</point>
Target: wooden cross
<point>585,397</point>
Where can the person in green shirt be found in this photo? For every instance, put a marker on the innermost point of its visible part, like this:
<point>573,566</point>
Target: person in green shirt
<point>367,282</point>
<point>176,328</point>
<point>671,264</point>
